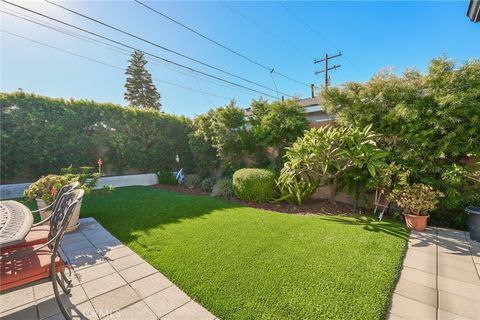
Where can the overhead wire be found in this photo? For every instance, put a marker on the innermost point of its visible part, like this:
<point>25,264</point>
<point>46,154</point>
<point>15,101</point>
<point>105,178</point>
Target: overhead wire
<point>158,45</point>
<point>241,55</point>
<point>114,48</point>
<point>145,52</point>
<point>110,65</point>
<point>318,34</point>
<point>273,34</point>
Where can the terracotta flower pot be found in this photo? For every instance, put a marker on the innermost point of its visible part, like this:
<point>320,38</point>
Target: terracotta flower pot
<point>414,222</point>
<point>72,225</point>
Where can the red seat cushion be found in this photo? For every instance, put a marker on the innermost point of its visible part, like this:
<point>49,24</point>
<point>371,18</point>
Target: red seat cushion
<point>36,235</point>
<point>28,268</point>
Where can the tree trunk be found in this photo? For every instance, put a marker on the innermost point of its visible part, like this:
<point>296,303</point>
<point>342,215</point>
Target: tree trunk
<point>333,190</point>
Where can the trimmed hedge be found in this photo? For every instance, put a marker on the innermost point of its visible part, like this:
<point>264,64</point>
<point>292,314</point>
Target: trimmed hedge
<point>40,135</point>
<point>254,184</point>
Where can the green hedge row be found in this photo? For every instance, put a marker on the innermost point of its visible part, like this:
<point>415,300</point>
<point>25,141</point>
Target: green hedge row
<point>40,135</point>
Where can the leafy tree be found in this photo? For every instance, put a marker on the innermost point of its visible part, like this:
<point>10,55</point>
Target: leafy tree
<point>223,130</point>
<point>324,154</point>
<point>429,122</point>
<point>140,90</point>
<point>278,124</point>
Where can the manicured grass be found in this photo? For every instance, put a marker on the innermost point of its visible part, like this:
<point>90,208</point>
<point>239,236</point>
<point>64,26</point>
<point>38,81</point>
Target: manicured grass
<point>245,263</point>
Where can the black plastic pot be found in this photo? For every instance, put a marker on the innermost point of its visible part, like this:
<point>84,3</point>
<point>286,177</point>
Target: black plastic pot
<point>474,222</point>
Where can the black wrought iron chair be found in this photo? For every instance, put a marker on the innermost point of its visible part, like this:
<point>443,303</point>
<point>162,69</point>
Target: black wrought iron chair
<point>65,189</point>
<point>38,234</point>
<point>26,266</point>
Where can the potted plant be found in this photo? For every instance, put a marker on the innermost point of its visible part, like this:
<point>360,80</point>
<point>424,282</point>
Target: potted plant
<point>45,189</point>
<point>416,200</point>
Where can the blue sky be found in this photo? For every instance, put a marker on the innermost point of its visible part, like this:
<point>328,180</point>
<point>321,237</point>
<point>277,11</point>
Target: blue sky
<point>371,36</point>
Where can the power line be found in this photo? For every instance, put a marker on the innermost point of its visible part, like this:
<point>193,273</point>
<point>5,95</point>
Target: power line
<point>306,25</point>
<point>275,35</point>
<point>269,69</point>
<point>160,46</point>
<point>110,65</point>
<point>120,50</point>
<point>318,34</point>
<point>133,48</point>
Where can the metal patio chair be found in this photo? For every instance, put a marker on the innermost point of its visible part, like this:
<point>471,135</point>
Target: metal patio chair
<point>38,234</point>
<point>30,265</point>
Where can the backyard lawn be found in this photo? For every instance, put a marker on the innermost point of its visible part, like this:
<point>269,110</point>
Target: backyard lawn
<point>245,263</point>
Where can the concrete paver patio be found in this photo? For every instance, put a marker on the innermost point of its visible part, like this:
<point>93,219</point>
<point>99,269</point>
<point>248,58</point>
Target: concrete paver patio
<point>440,278</point>
<point>110,281</point>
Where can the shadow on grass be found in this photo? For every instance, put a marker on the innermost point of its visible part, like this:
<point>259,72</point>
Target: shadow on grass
<point>130,210</point>
<point>387,226</point>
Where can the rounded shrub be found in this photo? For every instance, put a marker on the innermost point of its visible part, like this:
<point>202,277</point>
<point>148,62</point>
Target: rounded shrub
<point>192,181</point>
<point>208,183</point>
<point>254,184</point>
<point>223,188</point>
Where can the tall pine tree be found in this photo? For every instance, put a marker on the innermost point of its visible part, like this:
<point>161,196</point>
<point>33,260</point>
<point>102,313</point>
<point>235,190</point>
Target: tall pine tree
<point>140,90</point>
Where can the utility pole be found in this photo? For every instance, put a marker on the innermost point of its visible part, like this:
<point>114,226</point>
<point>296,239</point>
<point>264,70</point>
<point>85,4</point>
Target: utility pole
<point>326,68</point>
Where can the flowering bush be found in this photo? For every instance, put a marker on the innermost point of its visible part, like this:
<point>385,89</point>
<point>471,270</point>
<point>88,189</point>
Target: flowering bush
<point>46,187</point>
<point>417,199</point>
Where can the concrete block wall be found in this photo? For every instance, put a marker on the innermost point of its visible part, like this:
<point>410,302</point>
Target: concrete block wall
<point>10,191</point>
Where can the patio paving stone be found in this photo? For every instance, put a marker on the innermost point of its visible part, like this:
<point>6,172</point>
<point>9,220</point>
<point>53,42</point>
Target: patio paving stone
<point>166,300</point>
<point>94,272</point>
<point>439,278</point>
<point>109,281</point>
<point>115,300</point>
<point>151,284</point>
<point>104,284</point>
<point>16,298</point>
<point>137,272</point>
<point>47,306</point>
<point>190,311</point>
<point>126,262</point>
<point>26,311</point>
<point>138,310</point>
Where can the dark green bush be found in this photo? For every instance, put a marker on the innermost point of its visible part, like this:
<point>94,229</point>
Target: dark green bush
<point>40,135</point>
<point>223,188</point>
<point>254,184</point>
<point>208,183</point>
<point>166,177</point>
<point>192,181</point>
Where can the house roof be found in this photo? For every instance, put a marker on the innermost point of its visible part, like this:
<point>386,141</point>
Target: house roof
<point>309,102</point>
<point>473,11</point>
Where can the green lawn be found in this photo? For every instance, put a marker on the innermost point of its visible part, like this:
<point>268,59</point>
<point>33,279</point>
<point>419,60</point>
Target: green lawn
<point>245,263</point>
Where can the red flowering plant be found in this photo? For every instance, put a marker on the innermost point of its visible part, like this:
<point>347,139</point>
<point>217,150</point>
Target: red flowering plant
<point>46,187</point>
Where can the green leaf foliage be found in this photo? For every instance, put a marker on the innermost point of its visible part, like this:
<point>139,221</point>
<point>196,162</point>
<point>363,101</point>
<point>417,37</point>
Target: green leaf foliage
<point>40,135</point>
<point>256,185</point>
<point>192,181</point>
<point>223,188</point>
<point>140,90</point>
<point>429,122</point>
<point>325,155</point>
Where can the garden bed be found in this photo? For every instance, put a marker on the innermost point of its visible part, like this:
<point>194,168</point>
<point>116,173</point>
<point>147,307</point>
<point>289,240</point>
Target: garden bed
<point>311,206</point>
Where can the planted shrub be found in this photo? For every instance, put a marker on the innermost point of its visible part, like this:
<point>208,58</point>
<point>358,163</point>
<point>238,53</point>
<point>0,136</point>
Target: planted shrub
<point>166,177</point>
<point>47,187</point>
<point>254,184</point>
<point>223,188</point>
<point>208,183</point>
<point>192,181</point>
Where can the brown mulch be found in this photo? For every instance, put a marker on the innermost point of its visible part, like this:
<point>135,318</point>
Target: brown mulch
<point>181,189</point>
<point>312,206</point>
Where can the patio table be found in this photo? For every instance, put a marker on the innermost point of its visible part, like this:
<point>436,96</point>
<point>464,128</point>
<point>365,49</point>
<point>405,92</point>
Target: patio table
<point>15,222</point>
